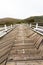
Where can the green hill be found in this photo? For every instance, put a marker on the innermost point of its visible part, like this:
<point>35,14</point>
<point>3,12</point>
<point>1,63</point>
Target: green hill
<point>35,19</point>
<point>8,21</point>
<point>32,20</point>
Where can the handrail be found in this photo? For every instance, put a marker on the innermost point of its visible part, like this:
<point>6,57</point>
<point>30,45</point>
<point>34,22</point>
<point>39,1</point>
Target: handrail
<point>4,31</point>
<point>39,29</point>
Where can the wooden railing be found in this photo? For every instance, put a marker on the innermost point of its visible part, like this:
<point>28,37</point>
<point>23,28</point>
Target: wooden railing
<point>4,30</point>
<point>38,29</point>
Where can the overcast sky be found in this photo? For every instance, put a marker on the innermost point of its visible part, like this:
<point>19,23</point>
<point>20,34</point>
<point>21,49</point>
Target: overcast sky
<point>21,8</point>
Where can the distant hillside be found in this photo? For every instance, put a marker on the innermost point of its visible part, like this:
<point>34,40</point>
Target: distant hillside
<point>8,21</point>
<point>33,20</point>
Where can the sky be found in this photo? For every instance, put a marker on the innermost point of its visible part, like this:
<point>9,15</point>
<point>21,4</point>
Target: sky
<point>21,9</point>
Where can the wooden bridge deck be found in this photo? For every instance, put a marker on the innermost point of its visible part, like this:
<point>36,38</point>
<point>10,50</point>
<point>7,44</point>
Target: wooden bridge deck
<point>22,46</point>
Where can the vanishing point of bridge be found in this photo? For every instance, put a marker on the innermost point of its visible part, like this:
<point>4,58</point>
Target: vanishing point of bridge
<point>21,46</point>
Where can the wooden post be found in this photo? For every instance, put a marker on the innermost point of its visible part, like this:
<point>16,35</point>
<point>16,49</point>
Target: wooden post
<point>11,25</point>
<point>30,25</point>
<point>5,27</point>
<point>36,25</point>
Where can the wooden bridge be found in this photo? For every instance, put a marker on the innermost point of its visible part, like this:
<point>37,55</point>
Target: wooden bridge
<point>21,46</point>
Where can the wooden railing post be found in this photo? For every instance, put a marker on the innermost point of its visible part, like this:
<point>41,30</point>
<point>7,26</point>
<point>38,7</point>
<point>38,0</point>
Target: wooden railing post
<point>30,25</point>
<point>11,26</point>
<point>36,25</point>
<point>5,27</point>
